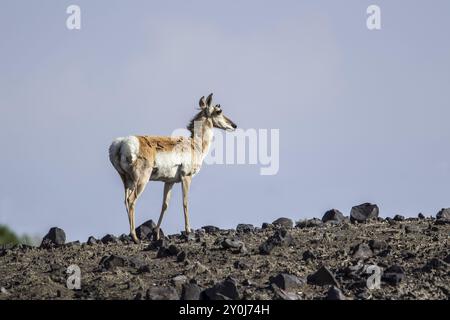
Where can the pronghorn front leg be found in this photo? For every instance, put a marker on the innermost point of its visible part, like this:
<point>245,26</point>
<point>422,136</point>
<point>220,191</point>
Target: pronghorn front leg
<point>185,184</point>
<point>166,198</point>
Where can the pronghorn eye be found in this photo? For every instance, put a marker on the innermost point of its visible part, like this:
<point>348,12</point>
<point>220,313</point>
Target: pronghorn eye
<point>219,111</point>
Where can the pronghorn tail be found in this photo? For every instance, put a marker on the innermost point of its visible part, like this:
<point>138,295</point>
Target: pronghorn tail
<point>123,152</point>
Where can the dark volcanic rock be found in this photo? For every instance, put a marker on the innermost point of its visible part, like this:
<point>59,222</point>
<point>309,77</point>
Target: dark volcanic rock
<point>335,294</point>
<point>54,237</point>
<point>266,247</point>
<point>145,269</point>
<point>247,282</point>
<point>225,290</point>
<point>283,222</point>
<point>421,216</point>
<point>322,277</point>
<point>442,221</point>
<point>364,212</point>
<point>163,252</point>
<point>245,228</point>
<point>308,255</point>
<point>112,261</point>
<point>91,241</point>
<point>266,225</point>
<point>399,217</point>
<point>199,233</point>
<point>333,215</point>
<point>309,223</point>
<point>281,237</point>
<point>435,264</point>
<point>362,251</point>
<point>146,230</point>
<point>170,251</point>
<point>447,259</point>
<point>190,291</point>
<point>393,275</point>
<point>241,265</point>
<point>406,254</point>
<point>391,221</point>
<point>377,245</point>
<point>73,243</point>
<point>125,238</point>
<point>286,281</point>
<point>181,257</point>
<point>162,293</point>
<point>191,236</point>
<point>174,250</point>
<point>232,244</point>
<point>280,294</point>
<point>135,262</point>
<point>210,229</point>
<point>109,238</point>
<point>138,296</point>
<point>443,214</point>
<point>156,244</point>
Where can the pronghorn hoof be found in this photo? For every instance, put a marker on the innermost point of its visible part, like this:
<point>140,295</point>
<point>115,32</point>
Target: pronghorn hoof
<point>155,236</point>
<point>135,239</point>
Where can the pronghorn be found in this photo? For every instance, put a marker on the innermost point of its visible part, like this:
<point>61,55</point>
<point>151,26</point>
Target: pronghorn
<point>139,159</point>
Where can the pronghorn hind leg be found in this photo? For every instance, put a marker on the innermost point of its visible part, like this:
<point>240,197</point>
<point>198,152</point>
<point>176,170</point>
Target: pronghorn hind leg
<point>166,198</point>
<point>128,200</point>
<point>185,185</point>
<point>128,185</point>
<point>131,196</point>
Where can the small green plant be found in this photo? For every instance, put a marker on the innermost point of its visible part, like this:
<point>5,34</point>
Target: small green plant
<point>7,236</point>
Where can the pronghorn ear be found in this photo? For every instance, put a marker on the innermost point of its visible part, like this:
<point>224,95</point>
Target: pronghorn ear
<point>202,103</point>
<point>209,100</point>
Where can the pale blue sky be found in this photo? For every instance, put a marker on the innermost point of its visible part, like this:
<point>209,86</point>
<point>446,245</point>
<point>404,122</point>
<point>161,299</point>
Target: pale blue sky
<point>363,115</point>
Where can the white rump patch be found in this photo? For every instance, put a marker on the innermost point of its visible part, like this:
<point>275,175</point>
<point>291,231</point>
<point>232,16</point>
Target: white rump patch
<point>123,152</point>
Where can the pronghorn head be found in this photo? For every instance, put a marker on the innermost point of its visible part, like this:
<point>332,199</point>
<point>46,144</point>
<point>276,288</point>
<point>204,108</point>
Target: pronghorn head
<point>215,115</point>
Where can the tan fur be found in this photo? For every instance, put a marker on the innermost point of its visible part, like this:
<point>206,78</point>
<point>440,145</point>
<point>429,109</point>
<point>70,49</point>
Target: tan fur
<point>159,143</point>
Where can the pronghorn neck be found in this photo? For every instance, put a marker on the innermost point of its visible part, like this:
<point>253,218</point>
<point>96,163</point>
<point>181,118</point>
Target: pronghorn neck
<point>202,134</point>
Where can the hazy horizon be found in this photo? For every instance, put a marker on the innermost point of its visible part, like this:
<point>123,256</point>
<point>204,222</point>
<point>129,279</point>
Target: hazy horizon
<point>362,115</point>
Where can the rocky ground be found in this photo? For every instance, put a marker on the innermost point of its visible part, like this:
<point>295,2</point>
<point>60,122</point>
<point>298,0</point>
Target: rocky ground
<point>331,258</point>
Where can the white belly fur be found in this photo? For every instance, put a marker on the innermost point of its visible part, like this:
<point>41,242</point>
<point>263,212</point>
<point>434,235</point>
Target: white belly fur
<point>169,166</point>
